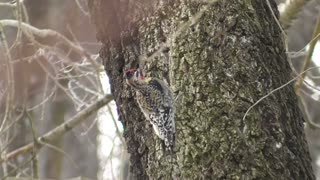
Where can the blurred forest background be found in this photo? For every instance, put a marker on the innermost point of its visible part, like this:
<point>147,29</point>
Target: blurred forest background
<point>50,71</point>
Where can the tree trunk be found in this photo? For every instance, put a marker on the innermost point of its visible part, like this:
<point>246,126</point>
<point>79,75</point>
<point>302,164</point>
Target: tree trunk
<point>229,56</point>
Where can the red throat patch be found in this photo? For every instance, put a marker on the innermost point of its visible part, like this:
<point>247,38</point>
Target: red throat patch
<point>142,76</point>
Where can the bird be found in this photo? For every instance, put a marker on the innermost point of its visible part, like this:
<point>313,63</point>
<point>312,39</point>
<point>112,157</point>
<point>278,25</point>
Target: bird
<point>155,100</point>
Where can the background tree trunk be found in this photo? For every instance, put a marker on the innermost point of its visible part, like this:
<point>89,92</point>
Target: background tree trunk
<point>218,66</point>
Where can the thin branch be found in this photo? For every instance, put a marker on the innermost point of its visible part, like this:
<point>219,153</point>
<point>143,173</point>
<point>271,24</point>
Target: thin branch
<point>42,111</point>
<point>18,168</point>
<point>44,100</point>
<point>27,29</point>
<point>18,14</point>
<point>10,78</point>
<point>273,91</point>
<point>295,54</point>
<point>308,118</point>
<point>34,150</point>
<point>86,13</point>
<point>60,130</point>
<point>43,33</point>
<point>307,61</point>
<point>57,82</point>
<point>291,12</point>
<point>118,132</point>
<point>59,150</point>
<point>3,4</point>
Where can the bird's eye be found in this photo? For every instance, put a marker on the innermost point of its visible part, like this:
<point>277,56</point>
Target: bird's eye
<point>132,72</point>
<point>128,74</point>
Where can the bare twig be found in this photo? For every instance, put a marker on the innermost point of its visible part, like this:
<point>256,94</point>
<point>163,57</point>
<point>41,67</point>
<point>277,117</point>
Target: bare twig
<point>60,130</point>
<point>273,91</point>
<point>18,14</point>
<point>59,150</point>
<point>28,29</point>
<point>34,150</point>
<point>308,118</point>
<point>44,33</point>
<point>18,168</point>
<point>307,61</point>
<point>86,13</point>
<point>291,11</point>
<point>3,4</point>
<point>10,77</point>
<point>57,82</point>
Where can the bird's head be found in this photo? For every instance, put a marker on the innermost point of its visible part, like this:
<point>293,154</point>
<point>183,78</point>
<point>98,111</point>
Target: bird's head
<point>133,76</point>
<point>130,73</point>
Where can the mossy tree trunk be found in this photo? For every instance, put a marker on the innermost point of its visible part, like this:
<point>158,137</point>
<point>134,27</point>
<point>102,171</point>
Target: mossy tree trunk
<point>220,64</point>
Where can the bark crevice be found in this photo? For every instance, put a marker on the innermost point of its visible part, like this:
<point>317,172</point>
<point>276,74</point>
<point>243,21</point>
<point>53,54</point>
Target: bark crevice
<point>219,66</point>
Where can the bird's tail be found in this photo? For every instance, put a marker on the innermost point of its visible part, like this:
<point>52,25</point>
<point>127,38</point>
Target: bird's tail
<point>170,144</point>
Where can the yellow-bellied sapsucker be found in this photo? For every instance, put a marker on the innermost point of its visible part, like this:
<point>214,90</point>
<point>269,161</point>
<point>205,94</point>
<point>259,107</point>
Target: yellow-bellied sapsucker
<point>156,102</point>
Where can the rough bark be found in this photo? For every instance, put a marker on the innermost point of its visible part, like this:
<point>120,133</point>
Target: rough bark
<point>218,67</point>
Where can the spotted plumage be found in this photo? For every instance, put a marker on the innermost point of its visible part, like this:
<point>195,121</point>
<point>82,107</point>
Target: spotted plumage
<point>156,102</point>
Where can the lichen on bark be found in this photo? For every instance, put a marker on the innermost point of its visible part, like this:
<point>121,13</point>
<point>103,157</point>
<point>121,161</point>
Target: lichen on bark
<point>217,67</point>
